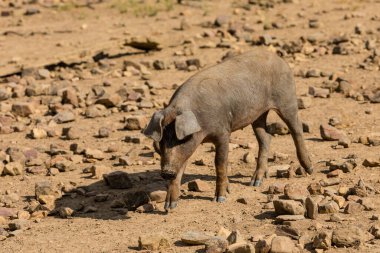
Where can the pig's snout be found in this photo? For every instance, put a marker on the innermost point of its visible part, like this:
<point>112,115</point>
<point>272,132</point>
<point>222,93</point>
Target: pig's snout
<point>168,174</point>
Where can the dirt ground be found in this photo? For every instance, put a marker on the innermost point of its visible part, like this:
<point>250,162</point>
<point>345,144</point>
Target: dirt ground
<point>83,45</point>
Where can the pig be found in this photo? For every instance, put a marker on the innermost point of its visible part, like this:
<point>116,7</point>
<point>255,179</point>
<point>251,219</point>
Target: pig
<point>217,101</point>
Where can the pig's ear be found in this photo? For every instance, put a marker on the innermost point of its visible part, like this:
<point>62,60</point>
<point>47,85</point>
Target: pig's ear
<point>154,128</point>
<point>186,124</point>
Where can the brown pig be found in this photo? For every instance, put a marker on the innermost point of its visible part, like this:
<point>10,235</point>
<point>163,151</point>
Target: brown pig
<point>217,101</point>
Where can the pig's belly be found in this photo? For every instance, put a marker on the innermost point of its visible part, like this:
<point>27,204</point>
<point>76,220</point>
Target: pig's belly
<point>244,119</point>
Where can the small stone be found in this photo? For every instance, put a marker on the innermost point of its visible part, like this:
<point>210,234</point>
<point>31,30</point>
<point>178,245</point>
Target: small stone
<point>235,237</point>
<point>319,92</point>
<point>135,123</point>
<point>286,217</point>
<point>249,157</point>
<point>38,133</point>
<point>23,215</point>
<point>222,20</point>
<point>276,188</point>
<point>311,208</point>
<point>69,96</point>
<point>330,133</point>
<point>264,245</point>
<point>95,111</point>
<point>46,188</point>
<point>97,171</point>
<point>336,217</point>
<point>104,132</point>
<point>282,244</point>
<point>339,200</point>
<point>329,207</point>
<point>198,186</point>
<point>64,117</point>
<point>288,207</point>
<point>348,237</point>
<point>241,247</point>
<point>94,154</point>
<point>153,242</point>
<point>277,128</point>
<point>367,203</point>
<point>65,212</point>
<point>295,192</point>
<point>368,162</point>
<point>73,133</point>
<point>315,189</point>
<point>13,169</point>
<point>157,196</point>
<point>101,197</point>
<point>146,208</point>
<point>23,109</point>
<point>375,231</point>
<point>304,102</point>
<point>19,225</point>
<point>353,208</point>
<point>195,238</point>
<point>224,233</point>
<point>242,200</point>
<point>109,100</point>
<point>216,245</point>
<point>118,180</point>
<point>322,240</point>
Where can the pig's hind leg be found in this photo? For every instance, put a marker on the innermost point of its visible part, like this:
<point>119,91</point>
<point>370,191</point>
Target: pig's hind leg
<point>290,117</point>
<point>263,139</point>
<point>221,161</point>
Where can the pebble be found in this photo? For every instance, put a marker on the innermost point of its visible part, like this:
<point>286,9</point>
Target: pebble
<point>153,242</point>
<point>288,207</point>
<point>282,244</point>
<point>195,238</point>
<point>118,180</point>
<point>198,186</point>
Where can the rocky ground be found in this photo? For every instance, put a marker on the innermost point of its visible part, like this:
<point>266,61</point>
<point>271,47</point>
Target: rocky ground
<point>80,79</point>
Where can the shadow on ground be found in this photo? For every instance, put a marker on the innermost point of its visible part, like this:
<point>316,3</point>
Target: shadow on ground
<point>97,200</point>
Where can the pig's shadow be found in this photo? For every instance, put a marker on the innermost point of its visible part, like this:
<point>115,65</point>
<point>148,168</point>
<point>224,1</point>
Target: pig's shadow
<point>97,200</point>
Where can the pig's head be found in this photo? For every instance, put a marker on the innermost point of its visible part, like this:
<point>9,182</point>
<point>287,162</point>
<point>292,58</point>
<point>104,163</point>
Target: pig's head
<point>172,133</point>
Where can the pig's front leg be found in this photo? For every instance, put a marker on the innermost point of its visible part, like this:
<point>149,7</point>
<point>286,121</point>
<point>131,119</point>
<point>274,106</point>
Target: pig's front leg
<point>173,192</point>
<point>221,161</point>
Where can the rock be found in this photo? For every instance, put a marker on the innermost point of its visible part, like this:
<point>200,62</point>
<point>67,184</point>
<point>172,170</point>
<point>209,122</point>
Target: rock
<point>94,154</point>
<point>315,189</point>
<point>69,96</point>
<point>135,123</point>
<point>95,111</point>
<point>277,128</point>
<point>224,233</point>
<point>329,207</point>
<point>330,133</point>
<point>195,238</point>
<point>313,73</point>
<point>73,133</point>
<point>311,208</point>
<point>158,196</point>
<point>38,133</point>
<point>7,212</point>
<point>19,225</point>
<point>65,212</point>
<point>143,43</point>
<point>235,237</point>
<point>319,92</point>
<point>97,171</point>
<point>216,245</point>
<point>153,242</point>
<point>288,207</point>
<point>242,201</point>
<point>23,109</point>
<point>348,237</point>
<point>353,208</point>
<point>368,162</point>
<point>282,244</point>
<point>1,168</point>
<point>276,188</point>
<point>241,247</point>
<point>339,200</point>
<point>198,186</point>
<point>46,188</point>
<point>104,132</point>
<point>282,218</point>
<point>304,102</point>
<point>375,231</point>
<point>101,197</point>
<point>249,157</point>
<point>23,215</point>
<point>13,169</point>
<point>367,203</point>
<point>146,208</point>
<point>109,100</point>
<point>222,20</point>
<point>118,180</point>
<point>64,117</point>
<point>264,245</point>
<point>322,240</point>
<point>329,182</point>
<point>296,192</point>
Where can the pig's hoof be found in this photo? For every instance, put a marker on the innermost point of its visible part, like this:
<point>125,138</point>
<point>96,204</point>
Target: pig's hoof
<point>256,182</point>
<point>220,199</point>
<point>310,170</point>
<point>170,205</point>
